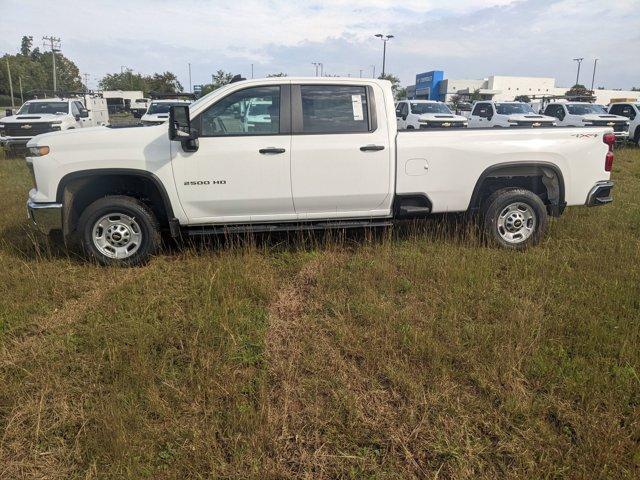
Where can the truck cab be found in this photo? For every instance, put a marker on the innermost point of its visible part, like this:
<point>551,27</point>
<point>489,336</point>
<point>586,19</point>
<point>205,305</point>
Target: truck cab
<point>40,116</point>
<point>584,114</point>
<point>489,114</point>
<point>631,111</point>
<point>423,114</point>
<point>158,111</point>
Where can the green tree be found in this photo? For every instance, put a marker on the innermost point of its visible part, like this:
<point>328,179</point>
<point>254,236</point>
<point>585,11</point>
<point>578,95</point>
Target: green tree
<point>219,79</point>
<point>280,74</point>
<point>475,95</point>
<point>164,83</point>
<point>395,83</point>
<point>25,47</point>
<point>455,102</point>
<point>523,98</point>
<point>67,73</point>
<point>123,81</point>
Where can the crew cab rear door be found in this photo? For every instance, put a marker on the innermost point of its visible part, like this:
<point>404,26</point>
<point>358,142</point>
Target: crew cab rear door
<point>341,157</point>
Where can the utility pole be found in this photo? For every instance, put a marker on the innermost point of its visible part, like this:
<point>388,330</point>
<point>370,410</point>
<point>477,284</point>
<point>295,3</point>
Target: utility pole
<point>54,45</point>
<point>385,39</point>
<point>13,105</point>
<point>373,71</point>
<point>316,64</point>
<point>190,84</point>
<point>252,70</point>
<point>593,78</point>
<point>21,97</point>
<point>579,60</point>
<point>321,69</point>
<point>86,81</point>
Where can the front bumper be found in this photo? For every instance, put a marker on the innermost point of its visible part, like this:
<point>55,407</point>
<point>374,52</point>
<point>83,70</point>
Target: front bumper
<point>600,194</point>
<point>45,216</point>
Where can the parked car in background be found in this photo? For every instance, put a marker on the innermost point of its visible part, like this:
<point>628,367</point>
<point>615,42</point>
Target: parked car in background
<point>584,114</point>
<point>50,115</point>
<point>158,111</point>
<point>139,107</point>
<point>631,111</point>
<point>330,157</point>
<point>488,114</point>
<point>423,114</point>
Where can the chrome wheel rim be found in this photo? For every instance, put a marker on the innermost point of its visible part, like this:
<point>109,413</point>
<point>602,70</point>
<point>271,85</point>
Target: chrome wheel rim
<point>117,235</point>
<point>516,222</point>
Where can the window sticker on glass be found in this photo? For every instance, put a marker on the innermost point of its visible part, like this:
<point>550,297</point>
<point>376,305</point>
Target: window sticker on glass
<point>356,101</point>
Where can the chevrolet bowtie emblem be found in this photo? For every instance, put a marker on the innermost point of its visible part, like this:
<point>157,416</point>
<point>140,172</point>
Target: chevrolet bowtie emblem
<point>26,127</point>
<point>610,124</point>
<point>536,124</point>
<point>446,124</point>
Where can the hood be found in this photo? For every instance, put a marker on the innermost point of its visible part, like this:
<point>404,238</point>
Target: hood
<point>531,117</point>
<point>155,116</point>
<point>34,118</point>
<point>441,117</point>
<point>603,117</point>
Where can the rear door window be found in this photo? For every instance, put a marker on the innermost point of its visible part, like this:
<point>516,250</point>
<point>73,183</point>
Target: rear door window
<point>334,109</point>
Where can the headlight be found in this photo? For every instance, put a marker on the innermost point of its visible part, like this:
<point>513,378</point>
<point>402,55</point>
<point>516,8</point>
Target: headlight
<point>423,121</point>
<point>587,124</point>
<point>512,121</point>
<point>38,151</point>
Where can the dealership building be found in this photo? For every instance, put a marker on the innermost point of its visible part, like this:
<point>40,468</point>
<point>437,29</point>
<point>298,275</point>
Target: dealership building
<point>434,86</point>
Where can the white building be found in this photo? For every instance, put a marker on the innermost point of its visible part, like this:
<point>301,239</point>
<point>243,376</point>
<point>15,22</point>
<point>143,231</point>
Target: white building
<point>505,88</point>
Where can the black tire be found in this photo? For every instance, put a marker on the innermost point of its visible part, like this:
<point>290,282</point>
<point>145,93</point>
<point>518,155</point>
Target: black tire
<point>636,137</point>
<point>141,222</point>
<point>515,213</point>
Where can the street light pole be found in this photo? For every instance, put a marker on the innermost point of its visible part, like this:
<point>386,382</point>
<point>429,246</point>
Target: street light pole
<point>579,60</point>
<point>385,39</point>
<point>316,64</point>
<point>190,84</point>
<point>593,78</point>
<point>373,71</point>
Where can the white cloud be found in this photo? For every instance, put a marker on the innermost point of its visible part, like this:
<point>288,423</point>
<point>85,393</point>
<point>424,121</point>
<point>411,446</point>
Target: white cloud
<point>467,38</point>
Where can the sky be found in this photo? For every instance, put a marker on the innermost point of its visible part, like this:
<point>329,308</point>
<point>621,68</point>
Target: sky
<point>465,38</point>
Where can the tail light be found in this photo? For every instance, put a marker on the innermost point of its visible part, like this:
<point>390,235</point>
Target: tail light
<point>609,139</point>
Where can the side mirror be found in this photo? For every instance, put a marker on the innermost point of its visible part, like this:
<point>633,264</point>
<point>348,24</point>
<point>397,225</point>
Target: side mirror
<point>489,117</point>
<point>180,128</point>
<point>77,117</point>
<point>84,113</point>
<point>404,117</point>
<point>8,112</point>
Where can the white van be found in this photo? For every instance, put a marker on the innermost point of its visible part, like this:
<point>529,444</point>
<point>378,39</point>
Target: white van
<point>488,114</point>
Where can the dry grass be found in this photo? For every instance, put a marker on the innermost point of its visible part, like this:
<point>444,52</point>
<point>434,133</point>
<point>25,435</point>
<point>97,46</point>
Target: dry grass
<point>417,353</point>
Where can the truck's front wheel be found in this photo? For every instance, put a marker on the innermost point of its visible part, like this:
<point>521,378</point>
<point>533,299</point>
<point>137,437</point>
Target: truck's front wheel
<point>515,218</point>
<point>119,230</point>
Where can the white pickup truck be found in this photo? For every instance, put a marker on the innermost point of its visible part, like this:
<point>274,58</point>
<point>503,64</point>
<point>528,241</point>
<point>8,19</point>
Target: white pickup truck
<point>50,115</point>
<point>488,114</point>
<point>330,156</point>
<point>583,114</point>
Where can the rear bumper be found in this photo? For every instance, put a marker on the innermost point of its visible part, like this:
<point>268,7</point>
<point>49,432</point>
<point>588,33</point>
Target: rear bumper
<point>45,216</point>
<point>600,194</point>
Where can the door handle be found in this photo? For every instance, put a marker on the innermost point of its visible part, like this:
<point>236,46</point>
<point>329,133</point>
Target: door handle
<point>372,148</point>
<point>271,151</point>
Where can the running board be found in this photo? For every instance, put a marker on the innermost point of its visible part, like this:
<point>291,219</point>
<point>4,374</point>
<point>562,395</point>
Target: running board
<point>285,227</point>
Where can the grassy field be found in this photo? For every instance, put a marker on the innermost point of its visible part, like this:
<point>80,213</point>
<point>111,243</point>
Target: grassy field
<point>414,353</point>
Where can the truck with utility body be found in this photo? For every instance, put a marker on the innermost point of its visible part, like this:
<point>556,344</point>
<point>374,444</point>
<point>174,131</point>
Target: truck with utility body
<point>330,156</point>
<point>585,114</point>
<point>489,114</point>
<point>40,116</point>
<point>139,107</point>
<point>423,114</point>
<point>631,111</point>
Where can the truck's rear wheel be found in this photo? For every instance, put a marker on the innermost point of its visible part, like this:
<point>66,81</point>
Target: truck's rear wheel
<point>515,218</point>
<point>119,230</point>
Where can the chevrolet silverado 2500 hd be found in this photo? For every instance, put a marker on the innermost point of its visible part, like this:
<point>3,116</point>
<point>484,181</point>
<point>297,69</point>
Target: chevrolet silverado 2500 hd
<point>328,156</point>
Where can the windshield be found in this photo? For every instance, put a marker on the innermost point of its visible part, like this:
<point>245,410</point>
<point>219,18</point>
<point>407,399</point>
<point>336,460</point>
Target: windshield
<point>44,107</point>
<point>429,108</point>
<point>584,109</point>
<point>163,107</point>
<point>511,108</point>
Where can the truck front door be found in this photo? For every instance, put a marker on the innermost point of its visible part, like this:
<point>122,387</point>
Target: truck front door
<point>341,156</point>
<point>241,170</point>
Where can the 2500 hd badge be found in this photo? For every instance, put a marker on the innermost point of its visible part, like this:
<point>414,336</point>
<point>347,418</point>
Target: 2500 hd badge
<point>205,182</point>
